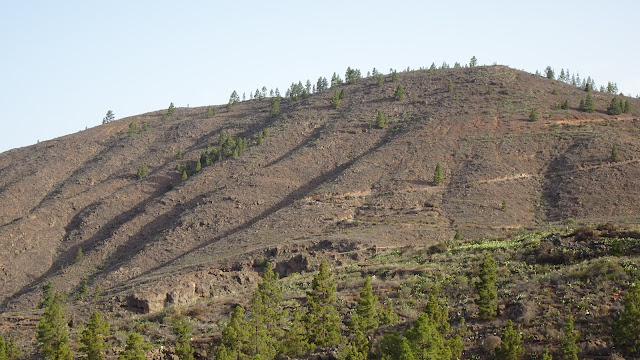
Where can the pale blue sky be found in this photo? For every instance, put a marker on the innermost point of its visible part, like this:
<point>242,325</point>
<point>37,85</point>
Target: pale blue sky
<point>63,64</point>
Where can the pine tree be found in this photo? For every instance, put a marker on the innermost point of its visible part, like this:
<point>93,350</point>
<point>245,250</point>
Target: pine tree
<point>533,116</point>
<point>335,101</point>
<point>565,105</point>
<point>426,341</point>
<point>399,94</point>
<point>182,330</point>
<point>171,109</point>
<point>274,109</point>
<point>381,120</point>
<point>335,80</point>
<point>510,348</point>
<point>546,355</point>
<point>438,177</point>
<point>3,349</point>
<point>47,295</point>
<point>343,94</point>
<point>366,312</point>
<point>450,86</point>
<point>235,335</point>
<point>589,106</point>
<point>108,118</point>
<point>387,315</point>
<point>322,319</point>
<point>487,291</point>
<point>266,317</point>
<point>222,353</point>
<point>627,107</point>
<point>615,107</point>
<point>614,153</point>
<point>549,73</point>
<point>135,348</point>
<point>295,341</point>
<point>143,171</point>
<point>211,112</point>
<point>473,62</point>
<point>13,352</point>
<point>394,76</point>
<point>394,346</point>
<point>184,175</point>
<point>626,329</point>
<point>53,331</point>
<point>198,166</point>
<point>352,76</point>
<point>569,338</point>
<point>93,337</point>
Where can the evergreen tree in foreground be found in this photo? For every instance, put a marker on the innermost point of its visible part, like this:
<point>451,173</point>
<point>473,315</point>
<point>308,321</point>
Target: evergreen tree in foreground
<point>53,331</point>
<point>92,338</point>
<point>134,348</point>
<point>626,329</point>
<point>569,338</point>
<point>366,313</point>
<point>184,350</point>
<point>510,348</point>
<point>322,319</point>
<point>487,291</point>
<point>266,317</point>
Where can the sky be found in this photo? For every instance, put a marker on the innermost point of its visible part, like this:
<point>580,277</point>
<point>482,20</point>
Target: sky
<point>64,64</point>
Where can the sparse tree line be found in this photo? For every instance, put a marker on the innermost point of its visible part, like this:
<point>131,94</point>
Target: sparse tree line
<point>587,84</point>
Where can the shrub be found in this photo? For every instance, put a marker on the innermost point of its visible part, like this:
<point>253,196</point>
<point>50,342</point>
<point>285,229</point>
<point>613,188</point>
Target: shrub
<point>533,115</point>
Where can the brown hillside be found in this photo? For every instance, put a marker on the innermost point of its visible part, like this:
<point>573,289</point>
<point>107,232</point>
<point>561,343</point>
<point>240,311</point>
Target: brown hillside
<point>319,173</point>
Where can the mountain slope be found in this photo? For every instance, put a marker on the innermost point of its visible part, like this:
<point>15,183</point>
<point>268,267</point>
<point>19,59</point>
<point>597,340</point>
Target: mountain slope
<point>320,172</point>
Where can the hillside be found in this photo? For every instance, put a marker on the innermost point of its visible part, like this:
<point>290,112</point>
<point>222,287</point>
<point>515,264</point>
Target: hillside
<point>324,183</point>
